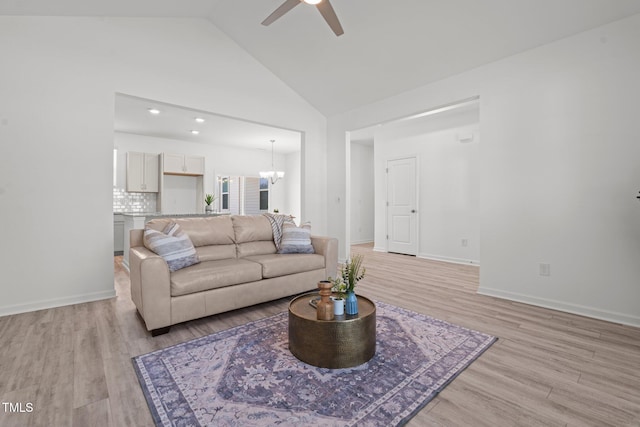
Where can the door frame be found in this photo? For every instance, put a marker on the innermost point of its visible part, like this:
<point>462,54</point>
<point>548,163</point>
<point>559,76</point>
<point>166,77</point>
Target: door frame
<point>416,157</point>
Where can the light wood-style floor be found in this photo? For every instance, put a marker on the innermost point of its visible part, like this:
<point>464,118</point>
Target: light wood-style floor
<point>547,369</point>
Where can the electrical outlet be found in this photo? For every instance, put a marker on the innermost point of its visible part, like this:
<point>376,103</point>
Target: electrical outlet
<point>545,269</point>
<point>464,242</point>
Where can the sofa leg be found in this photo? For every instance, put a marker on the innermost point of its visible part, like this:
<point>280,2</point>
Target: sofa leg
<point>160,331</point>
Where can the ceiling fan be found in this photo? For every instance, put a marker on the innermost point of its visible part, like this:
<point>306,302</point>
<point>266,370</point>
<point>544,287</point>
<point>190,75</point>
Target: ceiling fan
<point>324,6</point>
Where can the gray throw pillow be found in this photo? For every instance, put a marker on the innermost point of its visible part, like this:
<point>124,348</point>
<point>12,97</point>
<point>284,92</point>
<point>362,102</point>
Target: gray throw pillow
<point>296,240</point>
<point>173,245</point>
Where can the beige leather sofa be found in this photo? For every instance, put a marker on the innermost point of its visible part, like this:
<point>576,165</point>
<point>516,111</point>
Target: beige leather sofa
<point>238,267</point>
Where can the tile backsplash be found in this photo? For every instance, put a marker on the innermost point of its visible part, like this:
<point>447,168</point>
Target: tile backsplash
<point>133,202</point>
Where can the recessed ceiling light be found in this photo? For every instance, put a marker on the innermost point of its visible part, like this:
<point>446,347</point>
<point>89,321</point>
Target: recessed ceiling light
<point>153,111</point>
<point>199,119</point>
<point>312,1</point>
<point>195,132</point>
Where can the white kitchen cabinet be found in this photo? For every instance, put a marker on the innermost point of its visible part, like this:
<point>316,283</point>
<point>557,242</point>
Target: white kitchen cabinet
<point>142,172</point>
<point>182,164</point>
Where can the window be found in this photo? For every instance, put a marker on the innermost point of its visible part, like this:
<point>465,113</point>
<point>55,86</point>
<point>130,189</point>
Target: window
<point>244,195</point>
<point>224,193</point>
<point>264,194</point>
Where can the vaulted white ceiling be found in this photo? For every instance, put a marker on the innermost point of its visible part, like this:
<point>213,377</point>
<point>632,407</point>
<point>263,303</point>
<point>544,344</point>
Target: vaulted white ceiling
<point>389,46</point>
<point>177,123</point>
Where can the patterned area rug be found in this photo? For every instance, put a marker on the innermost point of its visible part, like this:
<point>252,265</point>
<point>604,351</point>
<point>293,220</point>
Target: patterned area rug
<point>246,376</point>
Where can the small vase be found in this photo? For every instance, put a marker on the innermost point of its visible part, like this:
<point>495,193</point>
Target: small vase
<point>208,208</point>
<point>338,306</point>
<point>351,303</point>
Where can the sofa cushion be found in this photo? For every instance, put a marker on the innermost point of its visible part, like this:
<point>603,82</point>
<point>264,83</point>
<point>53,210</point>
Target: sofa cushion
<point>203,231</point>
<point>214,274</point>
<point>216,252</point>
<point>296,240</point>
<point>173,245</point>
<point>253,235</point>
<point>256,248</point>
<point>251,228</point>
<point>276,265</point>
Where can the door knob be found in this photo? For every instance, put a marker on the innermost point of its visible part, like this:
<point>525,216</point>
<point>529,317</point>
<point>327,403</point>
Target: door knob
<point>413,211</point>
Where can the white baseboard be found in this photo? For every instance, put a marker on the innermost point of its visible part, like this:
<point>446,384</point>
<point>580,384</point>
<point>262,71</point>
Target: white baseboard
<point>592,312</point>
<point>439,258</point>
<point>56,302</point>
<point>361,242</point>
<point>449,259</point>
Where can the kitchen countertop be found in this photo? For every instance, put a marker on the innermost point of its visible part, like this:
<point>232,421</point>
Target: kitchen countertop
<point>137,213</point>
<point>167,215</point>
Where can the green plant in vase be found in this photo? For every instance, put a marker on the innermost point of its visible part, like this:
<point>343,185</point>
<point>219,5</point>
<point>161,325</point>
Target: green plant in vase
<point>208,199</point>
<point>351,272</point>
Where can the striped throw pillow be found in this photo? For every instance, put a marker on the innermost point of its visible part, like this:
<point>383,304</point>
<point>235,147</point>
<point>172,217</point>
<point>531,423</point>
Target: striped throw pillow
<point>296,240</point>
<point>173,245</point>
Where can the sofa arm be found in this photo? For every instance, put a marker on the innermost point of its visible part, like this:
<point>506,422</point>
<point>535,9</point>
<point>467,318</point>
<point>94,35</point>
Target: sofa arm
<point>327,247</point>
<point>150,287</point>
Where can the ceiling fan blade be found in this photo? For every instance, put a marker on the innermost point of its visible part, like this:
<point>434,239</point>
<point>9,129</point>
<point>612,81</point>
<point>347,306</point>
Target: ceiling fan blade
<point>284,8</point>
<point>330,16</point>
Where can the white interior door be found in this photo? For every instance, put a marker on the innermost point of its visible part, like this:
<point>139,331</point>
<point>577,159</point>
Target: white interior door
<point>401,206</point>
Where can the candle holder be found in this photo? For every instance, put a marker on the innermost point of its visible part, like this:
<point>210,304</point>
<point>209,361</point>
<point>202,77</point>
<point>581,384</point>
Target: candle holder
<point>325,305</point>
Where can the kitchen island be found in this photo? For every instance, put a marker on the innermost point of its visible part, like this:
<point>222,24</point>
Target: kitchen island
<point>137,220</point>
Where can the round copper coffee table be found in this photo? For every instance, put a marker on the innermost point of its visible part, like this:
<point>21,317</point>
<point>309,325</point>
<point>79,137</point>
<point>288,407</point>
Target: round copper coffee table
<point>344,342</point>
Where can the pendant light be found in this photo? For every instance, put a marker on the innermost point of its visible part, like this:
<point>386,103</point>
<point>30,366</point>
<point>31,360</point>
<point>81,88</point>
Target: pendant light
<point>273,174</point>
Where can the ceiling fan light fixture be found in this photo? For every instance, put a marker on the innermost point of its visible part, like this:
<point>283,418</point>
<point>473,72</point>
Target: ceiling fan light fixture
<point>324,7</point>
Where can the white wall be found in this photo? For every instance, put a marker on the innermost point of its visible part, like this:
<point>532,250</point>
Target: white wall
<point>362,193</point>
<point>180,195</point>
<point>57,84</point>
<point>559,169</point>
<point>291,186</point>
<point>448,183</point>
